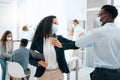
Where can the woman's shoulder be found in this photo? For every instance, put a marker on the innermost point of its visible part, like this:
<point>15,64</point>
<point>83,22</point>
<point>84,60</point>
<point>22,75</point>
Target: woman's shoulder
<point>59,36</point>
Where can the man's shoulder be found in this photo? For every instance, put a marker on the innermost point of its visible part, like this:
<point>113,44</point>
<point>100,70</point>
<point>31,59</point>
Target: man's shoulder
<point>20,49</point>
<point>17,50</point>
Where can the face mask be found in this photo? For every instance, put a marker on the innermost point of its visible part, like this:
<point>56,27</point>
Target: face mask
<point>99,23</point>
<point>9,38</point>
<point>54,28</point>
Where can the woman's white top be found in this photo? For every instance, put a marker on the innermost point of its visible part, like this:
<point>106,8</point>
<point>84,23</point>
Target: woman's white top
<point>50,54</point>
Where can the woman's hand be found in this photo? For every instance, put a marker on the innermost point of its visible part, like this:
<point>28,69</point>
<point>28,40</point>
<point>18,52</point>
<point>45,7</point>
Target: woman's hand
<point>56,42</point>
<point>43,63</point>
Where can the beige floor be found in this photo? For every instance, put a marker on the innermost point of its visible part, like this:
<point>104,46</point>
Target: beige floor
<point>84,73</point>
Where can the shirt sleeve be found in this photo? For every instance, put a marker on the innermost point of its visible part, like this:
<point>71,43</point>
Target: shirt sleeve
<point>32,61</point>
<point>87,39</point>
<point>67,44</point>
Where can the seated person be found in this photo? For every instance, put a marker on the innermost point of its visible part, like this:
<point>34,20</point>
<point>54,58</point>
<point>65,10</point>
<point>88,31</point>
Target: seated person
<point>21,55</point>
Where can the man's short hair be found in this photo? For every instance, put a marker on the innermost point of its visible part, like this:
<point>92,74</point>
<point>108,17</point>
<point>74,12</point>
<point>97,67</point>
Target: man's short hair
<point>111,10</point>
<point>24,42</point>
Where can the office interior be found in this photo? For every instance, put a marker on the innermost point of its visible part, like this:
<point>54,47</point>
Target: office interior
<point>14,14</point>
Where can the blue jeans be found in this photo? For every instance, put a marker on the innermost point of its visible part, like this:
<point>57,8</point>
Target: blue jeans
<point>3,66</point>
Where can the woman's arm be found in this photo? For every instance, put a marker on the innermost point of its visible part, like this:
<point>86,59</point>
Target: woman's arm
<point>64,43</point>
<point>35,46</point>
<point>32,61</point>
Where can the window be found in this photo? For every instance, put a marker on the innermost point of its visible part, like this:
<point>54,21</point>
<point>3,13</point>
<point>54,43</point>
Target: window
<point>117,4</point>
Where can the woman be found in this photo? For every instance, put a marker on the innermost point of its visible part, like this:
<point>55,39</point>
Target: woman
<point>54,65</point>
<point>6,48</point>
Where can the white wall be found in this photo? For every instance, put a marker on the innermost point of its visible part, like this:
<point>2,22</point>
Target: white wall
<point>18,13</point>
<point>7,16</point>
<point>32,11</point>
<point>75,9</point>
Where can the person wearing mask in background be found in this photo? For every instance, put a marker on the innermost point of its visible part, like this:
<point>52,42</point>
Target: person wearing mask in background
<point>106,44</point>
<point>21,55</point>
<point>54,65</point>
<point>6,47</point>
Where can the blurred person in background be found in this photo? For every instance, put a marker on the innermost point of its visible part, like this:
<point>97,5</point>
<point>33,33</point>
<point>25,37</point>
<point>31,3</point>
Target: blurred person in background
<point>27,32</point>
<point>76,31</point>
<point>21,55</point>
<point>6,48</point>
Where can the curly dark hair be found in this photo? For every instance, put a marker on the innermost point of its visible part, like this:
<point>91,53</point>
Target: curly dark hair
<point>44,28</point>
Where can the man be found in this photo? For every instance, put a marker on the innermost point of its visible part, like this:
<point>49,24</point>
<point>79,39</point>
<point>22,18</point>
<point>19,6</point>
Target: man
<point>21,55</point>
<point>106,44</point>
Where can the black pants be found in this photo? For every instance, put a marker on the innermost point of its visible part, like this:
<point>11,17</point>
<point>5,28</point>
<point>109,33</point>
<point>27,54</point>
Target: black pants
<point>105,74</point>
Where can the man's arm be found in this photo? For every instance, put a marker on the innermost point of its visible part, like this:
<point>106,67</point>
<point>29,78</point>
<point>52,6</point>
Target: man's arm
<point>87,39</point>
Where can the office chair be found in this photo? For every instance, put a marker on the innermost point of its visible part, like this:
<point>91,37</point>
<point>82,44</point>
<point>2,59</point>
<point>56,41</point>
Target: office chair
<point>16,70</point>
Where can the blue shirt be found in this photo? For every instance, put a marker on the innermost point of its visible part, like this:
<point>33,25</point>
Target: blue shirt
<point>21,55</point>
<point>106,45</point>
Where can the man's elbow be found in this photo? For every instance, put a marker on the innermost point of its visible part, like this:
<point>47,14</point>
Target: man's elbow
<point>77,44</point>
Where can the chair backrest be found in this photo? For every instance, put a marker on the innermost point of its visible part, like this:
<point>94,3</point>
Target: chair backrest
<point>15,70</point>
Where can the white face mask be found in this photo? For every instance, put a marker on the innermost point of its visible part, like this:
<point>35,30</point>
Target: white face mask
<point>54,28</point>
<point>99,23</point>
<point>9,38</point>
